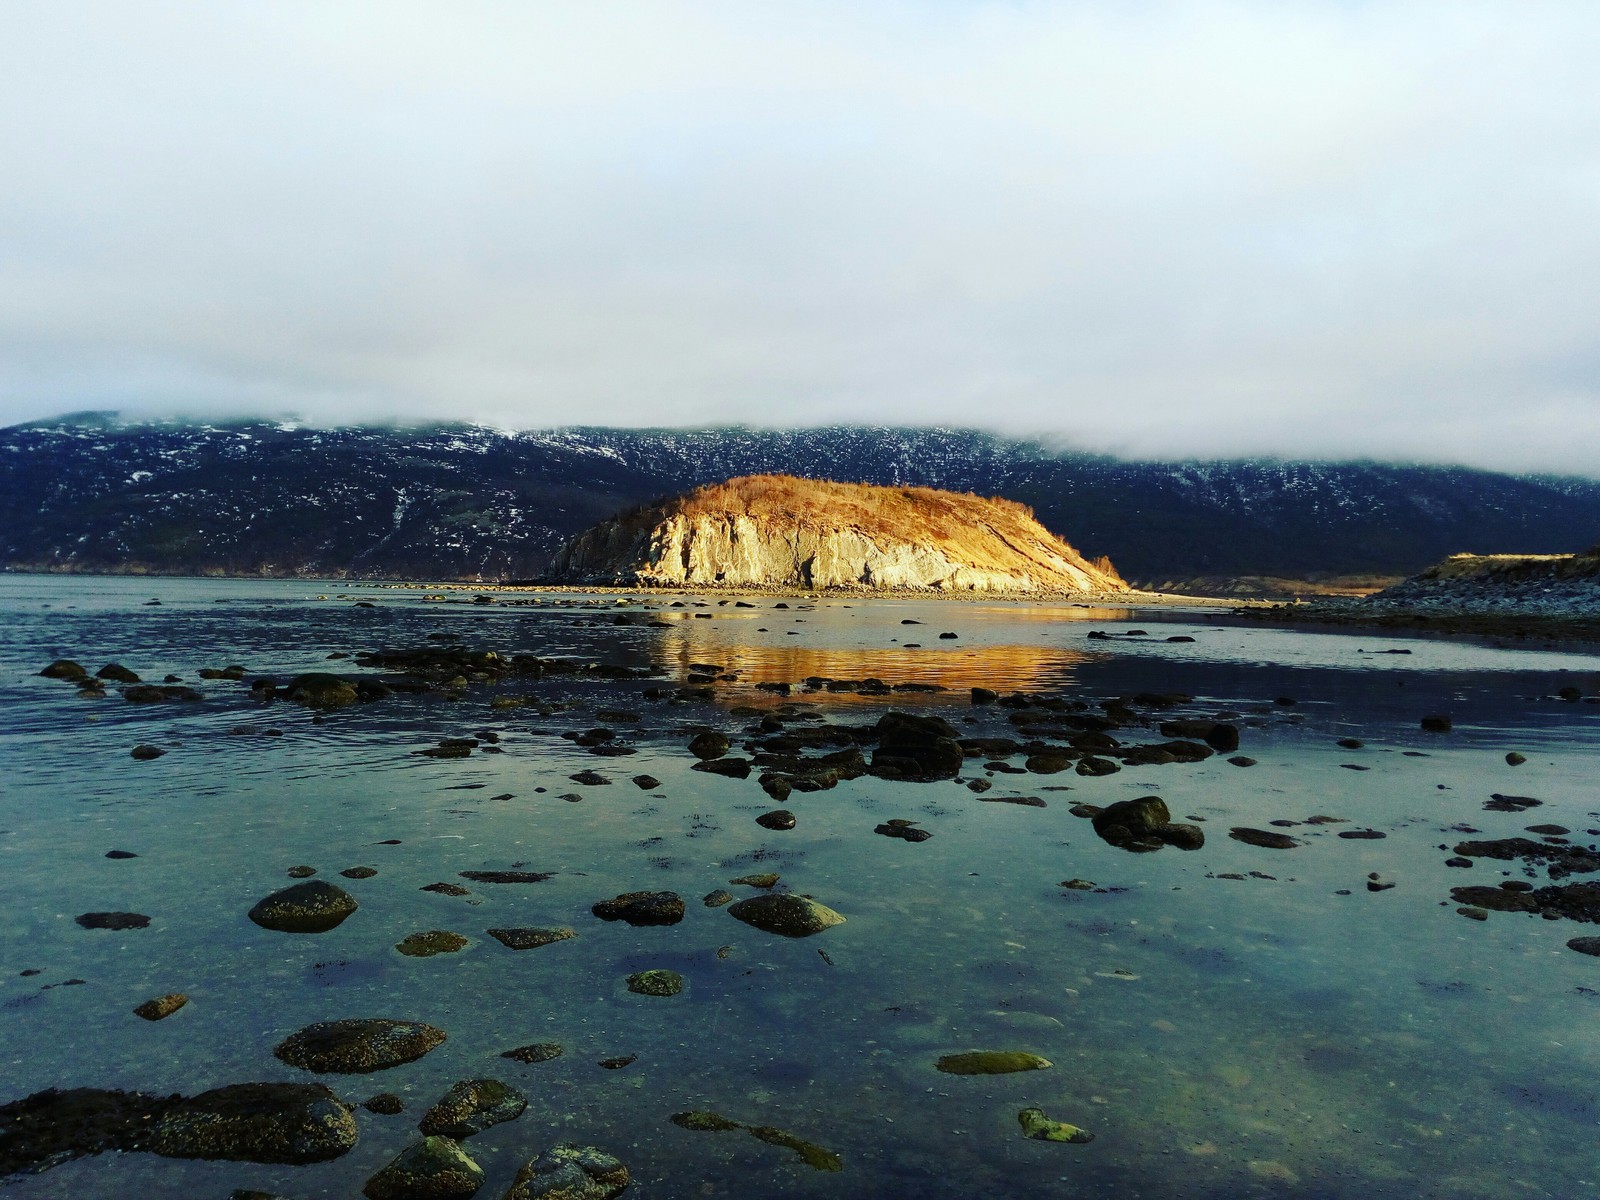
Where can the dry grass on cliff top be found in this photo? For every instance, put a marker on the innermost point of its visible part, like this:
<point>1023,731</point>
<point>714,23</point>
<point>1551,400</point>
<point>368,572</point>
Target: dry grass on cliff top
<point>962,524</point>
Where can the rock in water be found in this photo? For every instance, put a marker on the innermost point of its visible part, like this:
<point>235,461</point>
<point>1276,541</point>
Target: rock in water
<point>472,1106</point>
<point>1041,1128</point>
<point>568,1172</point>
<point>357,1046</point>
<point>258,1122</point>
<point>315,906</point>
<point>642,908</point>
<point>657,982</point>
<point>992,1062</point>
<point>318,690</point>
<point>786,914</point>
<point>435,1168</point>
<point>780,531</point>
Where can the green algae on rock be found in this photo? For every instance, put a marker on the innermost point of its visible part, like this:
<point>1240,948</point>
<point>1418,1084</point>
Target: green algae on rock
<point>991,1062</point>
<point>535,1052</point>
<point>814,1156</point>
<point>355,1047</point>
<point>786,914</point>
<point>426,945</point>
<point>435,1168</point>
<point>314,906</point>
<point>320,690</point>
<point>161,1007</point>
<point>530,938</point>
<point>656,982</point>
<point>471,1106</point>
<point>570,1172</point>
<point>1041,1128</point>
<point>258,1122</point>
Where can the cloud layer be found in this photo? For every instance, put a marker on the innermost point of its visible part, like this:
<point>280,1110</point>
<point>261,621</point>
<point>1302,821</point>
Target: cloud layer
<point>1318,229</point>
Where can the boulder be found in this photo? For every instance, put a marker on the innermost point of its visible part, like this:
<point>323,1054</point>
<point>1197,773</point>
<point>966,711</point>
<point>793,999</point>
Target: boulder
<point>435,1168</point>
<point>355,1047</point>
<point>569,1172</point>
<point>471,1106</point>
<point>314,906</point>
<point>258,1122</point>
<point>786,914</point>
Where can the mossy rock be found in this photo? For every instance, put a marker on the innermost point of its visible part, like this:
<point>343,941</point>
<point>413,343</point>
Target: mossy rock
<point>426,945</point>
<point>471,1106</point>
<point>656,982</point>
<point>436,1168</point>
<point>1042,1129</point>
<point>319,690</point>
<point>786,914</point>
<point>357,1046</point>
<point>531,938</point>
<point>314,906</point>
<point>704,1122</point>
<point>992,1062</point>
<point>569,1172</point>
<point>258,1122</point>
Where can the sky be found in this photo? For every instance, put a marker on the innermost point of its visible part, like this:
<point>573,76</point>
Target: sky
<point>1148,227</point>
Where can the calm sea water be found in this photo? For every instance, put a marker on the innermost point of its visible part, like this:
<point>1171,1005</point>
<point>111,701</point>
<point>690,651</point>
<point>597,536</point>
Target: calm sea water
<point>1287,1033</point>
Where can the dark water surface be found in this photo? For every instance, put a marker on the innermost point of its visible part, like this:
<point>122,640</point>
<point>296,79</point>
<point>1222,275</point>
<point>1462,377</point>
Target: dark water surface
<point>1286,1033</point>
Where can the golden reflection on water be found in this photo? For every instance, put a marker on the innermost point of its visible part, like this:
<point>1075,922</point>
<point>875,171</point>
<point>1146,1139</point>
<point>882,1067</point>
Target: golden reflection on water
<point>950,665</point>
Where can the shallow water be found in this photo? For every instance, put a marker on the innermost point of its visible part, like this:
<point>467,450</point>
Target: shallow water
<point>1260,1036</point>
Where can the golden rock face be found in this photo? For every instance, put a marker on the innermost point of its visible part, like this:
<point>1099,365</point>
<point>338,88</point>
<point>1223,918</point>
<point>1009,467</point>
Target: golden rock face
<point>780,531</point>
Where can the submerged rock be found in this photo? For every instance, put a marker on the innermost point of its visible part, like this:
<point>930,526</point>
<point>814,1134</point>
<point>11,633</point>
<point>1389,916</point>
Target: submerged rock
<point>708,745</point>
<point>1264,838</point>
<point>642,908</point>
<point>786,914</point>
<point>65,668</point>
<point>507,876</point>
<point>992,1062</point>
<point>656,982</point>
<point>916,748</point>
<point>535,1052</point>
<point>1041,1128</point>
<point>357,1046</point>
<point>320,690</point>
<point>813,1155</point>
<point>112,920</point>
<point>435,1168</point>
<point>258,1122</point>
<point>530,938</point>
<point>569,1172</point>
<point>314,906</point>
<point>906,831</point>
<point>717,898</point>
<point>144,752</point>
<point>471,1106</point>
<point>426,945</point>
<point>161,1007</point>
<point>777,819</point>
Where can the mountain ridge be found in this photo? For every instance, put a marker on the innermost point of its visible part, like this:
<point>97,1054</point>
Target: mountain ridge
<point>453,501</point>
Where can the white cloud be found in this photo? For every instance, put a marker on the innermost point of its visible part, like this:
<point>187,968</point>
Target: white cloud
<point>1160,227</point>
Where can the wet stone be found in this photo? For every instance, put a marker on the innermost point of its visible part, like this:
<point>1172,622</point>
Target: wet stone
<point>717,898</point>
<point>161,1007</point>
<point>570,1172</point>
<point>434,941</point>
<point>257,1122</point>
<point>144,752</point>
<point>435,1168</point>
<point>642,908</point>
<point>355,1047</point>
<point>590,779</point>
<point>1041,1128</point>
<point>786,914</point>
<point>471,1106</point>
<point>359,872</point>
<point>530,938</point>
<point>301,872</point>
<point>1264,838</point>
<point>647,783</point>
<point>991,1062</point>
<point>534,1052</point>
<point>906,831</point>
<point>112,920</point>
<point>708,745</point>
<point>385,1104</point>
<point>731,768</point>
<point>1585,945</point>
<point>656,982</point>
<point>764,879</point>
<point>446,889</point>
<point>507,876</point>
<point>777,819</point>
<point>617,1063</point>
<point>315,906</point>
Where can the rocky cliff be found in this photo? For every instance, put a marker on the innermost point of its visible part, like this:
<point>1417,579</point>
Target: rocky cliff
<point>780,531</point>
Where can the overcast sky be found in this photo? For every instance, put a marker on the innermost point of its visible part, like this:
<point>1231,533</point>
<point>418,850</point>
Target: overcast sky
<point>1150,227</point>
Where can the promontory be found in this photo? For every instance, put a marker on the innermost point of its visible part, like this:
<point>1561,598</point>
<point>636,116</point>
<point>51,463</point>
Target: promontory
<point>778,531</point>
